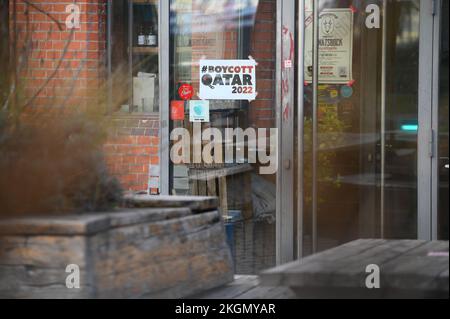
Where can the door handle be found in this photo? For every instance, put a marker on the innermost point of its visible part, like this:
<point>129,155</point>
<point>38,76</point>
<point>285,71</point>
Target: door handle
<point>446,166</point>
<point>287,164</point>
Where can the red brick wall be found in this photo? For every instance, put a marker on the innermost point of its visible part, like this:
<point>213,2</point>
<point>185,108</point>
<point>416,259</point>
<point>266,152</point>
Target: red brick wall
<point>263,50</point>
<point>65,69</point>
<point>133,150</point>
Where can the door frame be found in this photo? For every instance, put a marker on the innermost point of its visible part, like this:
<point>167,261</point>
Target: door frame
<point>285,96</point>
<point>428,112</point>
<point>435,176</point>
<point>164,112</point>
<point>428,161</point>
<point>286,16</point>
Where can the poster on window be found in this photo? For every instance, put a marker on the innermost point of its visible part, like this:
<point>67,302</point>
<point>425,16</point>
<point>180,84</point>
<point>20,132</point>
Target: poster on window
<point>228,80</point>
<point>335,46</point>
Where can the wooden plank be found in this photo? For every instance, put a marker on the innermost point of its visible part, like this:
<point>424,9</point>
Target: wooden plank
<point>76,225</point>
<point>211,185</point>
<point>195,203</point>
<point>351,272</point>
<point>247,287</point>
<point>260,292</point>
<point>233,290</point>
<point>247,210</point>
<point>205,173</point>
<point>407,266</point>
<point>193,186</point>
<point>181,183</point>
<point>345,268</point>
<point>283,293</point>
<point>223,195</point>
<point>277,276</point>
<point>419,270</point>
<point>202,188</point>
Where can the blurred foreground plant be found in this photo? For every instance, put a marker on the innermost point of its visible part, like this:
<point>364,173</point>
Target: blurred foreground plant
<point>54,167</point>
<point>51,158</point>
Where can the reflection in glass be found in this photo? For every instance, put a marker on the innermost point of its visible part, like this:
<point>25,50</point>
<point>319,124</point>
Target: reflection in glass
<point>367,153</point>
<point>229,30</point>
<point>443,127</point>
<point>134,57</point>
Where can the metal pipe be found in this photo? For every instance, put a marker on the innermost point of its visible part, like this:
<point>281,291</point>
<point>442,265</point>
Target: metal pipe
<point>279,214</point>
<point>315,142</point>
<point>300,128</point>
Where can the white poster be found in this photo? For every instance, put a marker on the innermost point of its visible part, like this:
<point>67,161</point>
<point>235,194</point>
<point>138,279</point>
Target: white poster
<point>228,80</point>
<point>335,46</point>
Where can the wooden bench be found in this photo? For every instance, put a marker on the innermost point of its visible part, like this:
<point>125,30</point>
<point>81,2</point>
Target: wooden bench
<point>408,269</point>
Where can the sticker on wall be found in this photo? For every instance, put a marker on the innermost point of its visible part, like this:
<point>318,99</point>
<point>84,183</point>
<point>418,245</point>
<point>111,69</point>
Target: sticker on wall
<point>335,46</point>
<point>177,110</point>
<point>186,92</point>
<point>347,91</point>
<point>199,111</point>
<point>228,80</point>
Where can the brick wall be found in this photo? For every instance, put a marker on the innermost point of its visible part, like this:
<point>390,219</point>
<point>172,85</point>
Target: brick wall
<point>65,70</point>
<point>132,153</point>
<point>62,67</point>
<point>262,112</point>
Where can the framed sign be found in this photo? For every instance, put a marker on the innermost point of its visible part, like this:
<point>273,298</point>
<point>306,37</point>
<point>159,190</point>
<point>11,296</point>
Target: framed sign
<point>335,46</point>
<point>228,80</point>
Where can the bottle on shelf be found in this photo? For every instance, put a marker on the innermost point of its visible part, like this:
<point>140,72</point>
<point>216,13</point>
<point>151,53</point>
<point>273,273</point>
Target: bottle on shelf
<point>141,37</point>
<point>152,38</point>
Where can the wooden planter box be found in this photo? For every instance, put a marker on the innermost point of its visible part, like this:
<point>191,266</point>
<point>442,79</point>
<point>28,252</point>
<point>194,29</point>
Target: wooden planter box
<point>172,251</point>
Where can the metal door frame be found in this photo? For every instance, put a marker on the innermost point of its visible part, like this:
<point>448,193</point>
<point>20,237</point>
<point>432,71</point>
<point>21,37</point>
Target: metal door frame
<point>286,17</point>
<point>428,162</point>
<point>428,112</point>
<point>435,176</point>
<point>164,111</point>
<point>286,33</point>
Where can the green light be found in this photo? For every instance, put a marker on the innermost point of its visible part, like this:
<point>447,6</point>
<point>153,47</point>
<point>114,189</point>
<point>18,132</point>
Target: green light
<point>410,128</point>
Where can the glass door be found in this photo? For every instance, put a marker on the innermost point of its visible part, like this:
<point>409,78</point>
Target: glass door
<point>361,121</point>
<point>223,117</point>
<point>442,125</point>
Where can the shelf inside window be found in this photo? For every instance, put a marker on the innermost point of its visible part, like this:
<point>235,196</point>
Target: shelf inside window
<point>154,2</point>
<point>145,50</point>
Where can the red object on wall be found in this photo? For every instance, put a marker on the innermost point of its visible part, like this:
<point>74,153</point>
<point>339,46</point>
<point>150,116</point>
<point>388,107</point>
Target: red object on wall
<point>186,92</point>
<point>177,110</point>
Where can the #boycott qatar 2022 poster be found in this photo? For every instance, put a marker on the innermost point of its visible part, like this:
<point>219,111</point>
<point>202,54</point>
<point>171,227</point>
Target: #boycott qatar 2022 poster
<point>228,80</point>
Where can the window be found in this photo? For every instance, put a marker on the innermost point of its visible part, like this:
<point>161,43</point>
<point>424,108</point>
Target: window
<point>4,50</point>
<point>134,56</point>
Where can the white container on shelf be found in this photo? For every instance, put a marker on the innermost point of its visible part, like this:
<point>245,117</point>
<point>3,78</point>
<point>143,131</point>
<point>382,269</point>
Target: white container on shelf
<point>144,92</point>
